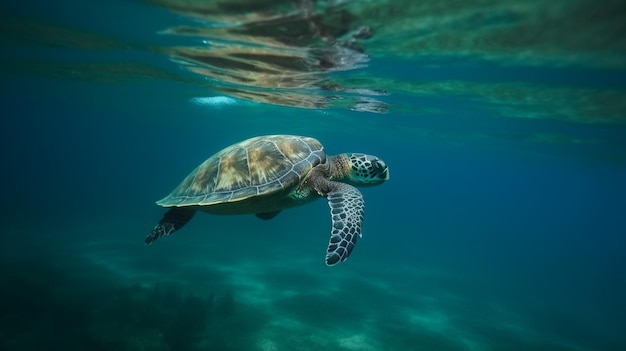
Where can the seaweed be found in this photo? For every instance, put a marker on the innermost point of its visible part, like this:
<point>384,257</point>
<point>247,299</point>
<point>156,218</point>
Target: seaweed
<point>44,307</point>
<point>162,317</point>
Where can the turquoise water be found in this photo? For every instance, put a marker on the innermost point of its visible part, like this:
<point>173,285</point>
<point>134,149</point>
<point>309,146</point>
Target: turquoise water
<point>501,228</point>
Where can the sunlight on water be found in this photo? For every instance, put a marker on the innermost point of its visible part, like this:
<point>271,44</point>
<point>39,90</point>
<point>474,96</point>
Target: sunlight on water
<point>215,101</point>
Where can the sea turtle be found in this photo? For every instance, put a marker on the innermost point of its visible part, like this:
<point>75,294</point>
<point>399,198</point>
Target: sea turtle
<point>266,174</point>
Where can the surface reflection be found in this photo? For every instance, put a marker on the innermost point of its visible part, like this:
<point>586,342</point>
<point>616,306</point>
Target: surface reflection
<point>276,52</point>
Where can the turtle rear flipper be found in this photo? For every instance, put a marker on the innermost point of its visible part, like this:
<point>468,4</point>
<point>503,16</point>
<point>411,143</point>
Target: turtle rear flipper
<point>347,210</point>
<point>173,220</point>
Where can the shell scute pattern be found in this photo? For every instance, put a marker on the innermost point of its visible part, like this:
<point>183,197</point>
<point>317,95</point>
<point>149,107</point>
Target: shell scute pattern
<point>266,163</point>
<point>261,165</point>
<point>244,193</point>
<point>233,173</point>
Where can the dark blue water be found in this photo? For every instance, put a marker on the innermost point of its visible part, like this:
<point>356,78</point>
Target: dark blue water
<point>502,226</point>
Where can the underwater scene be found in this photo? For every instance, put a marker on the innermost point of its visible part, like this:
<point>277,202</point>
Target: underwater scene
<point>264,175</point>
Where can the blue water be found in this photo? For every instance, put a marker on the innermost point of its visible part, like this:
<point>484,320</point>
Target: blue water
<point>502,226</point>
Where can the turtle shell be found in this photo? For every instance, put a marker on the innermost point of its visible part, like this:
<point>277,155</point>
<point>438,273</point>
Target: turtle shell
<point>262,165</point>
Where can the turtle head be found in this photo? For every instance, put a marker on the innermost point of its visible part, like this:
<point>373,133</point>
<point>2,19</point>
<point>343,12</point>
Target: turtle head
<point>366,170</point>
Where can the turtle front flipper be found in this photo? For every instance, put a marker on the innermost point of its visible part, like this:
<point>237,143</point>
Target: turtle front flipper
<point>347,209</point>
<point>173,220</point>
<point>267,215</point>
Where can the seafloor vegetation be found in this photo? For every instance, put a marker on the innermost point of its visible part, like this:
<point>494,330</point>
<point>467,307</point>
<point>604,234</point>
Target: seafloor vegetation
<point>48,308</point>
